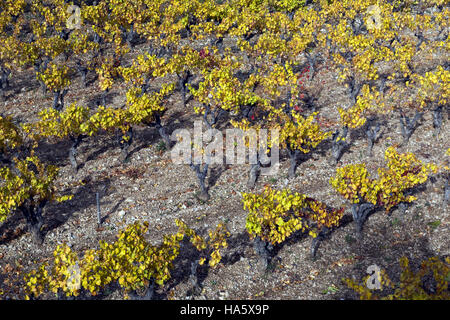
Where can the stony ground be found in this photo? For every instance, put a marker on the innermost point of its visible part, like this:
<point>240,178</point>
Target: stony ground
<point>150,187</point>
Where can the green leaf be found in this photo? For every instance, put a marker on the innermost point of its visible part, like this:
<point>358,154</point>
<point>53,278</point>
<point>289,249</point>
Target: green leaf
<point>435,224</point>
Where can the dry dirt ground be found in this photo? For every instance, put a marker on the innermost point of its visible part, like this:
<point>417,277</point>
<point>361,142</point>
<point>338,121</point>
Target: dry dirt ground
<point>150,187</point>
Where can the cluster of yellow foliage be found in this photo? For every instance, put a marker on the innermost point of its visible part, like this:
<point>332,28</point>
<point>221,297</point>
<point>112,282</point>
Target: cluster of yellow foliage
<point>212,246</point>
<point>76,120</point>
<point>55,77</point>
<point>59,124</point>
<point>301,133</point>
<point>369,102</point>
<point>131,261</point>
<point>10,135</point>
<point>433,87</point>
<point>16,189</point>
<point>275,215</point>
<point>143,66</point>
<point>106,74</point>
<point>403,172</point>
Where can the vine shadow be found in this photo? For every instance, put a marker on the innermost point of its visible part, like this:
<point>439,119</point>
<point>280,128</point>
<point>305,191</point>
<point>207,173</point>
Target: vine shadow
<point>58,214</point>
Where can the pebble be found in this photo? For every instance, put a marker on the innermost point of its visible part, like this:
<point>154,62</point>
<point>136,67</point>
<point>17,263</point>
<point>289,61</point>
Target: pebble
<point>223,295</point>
